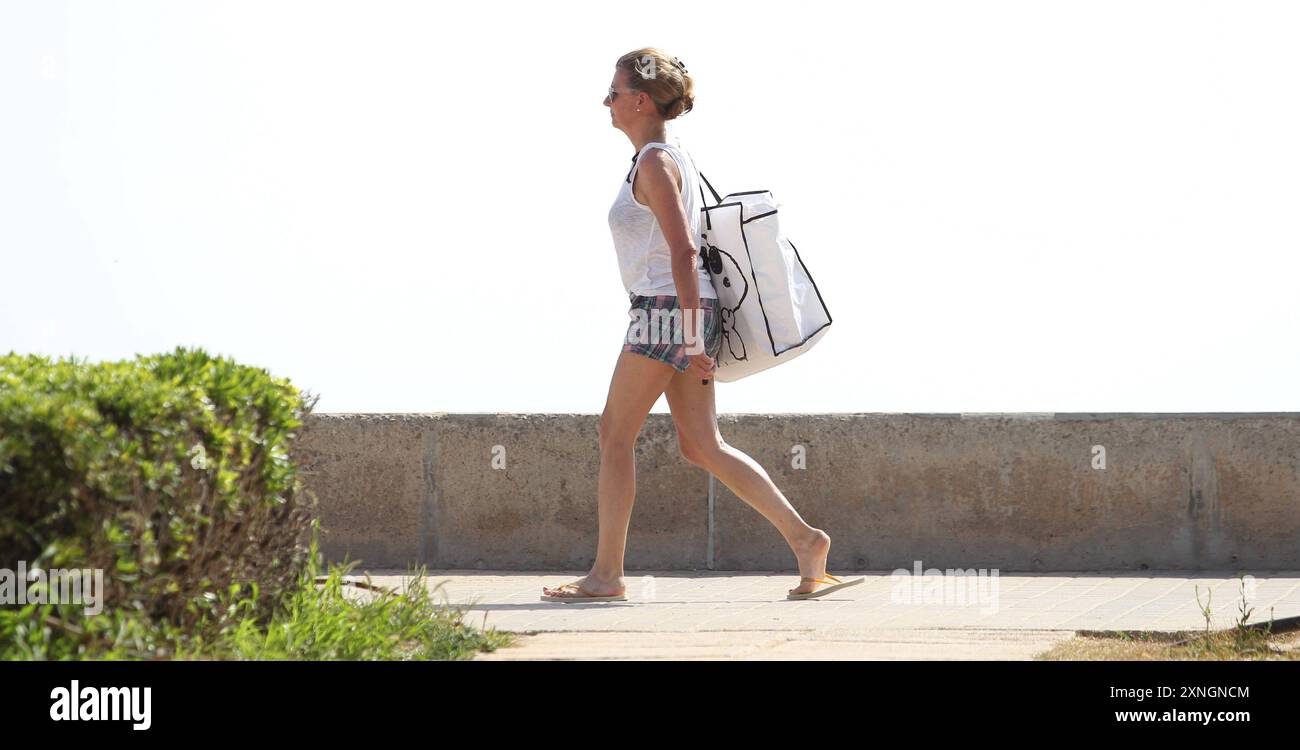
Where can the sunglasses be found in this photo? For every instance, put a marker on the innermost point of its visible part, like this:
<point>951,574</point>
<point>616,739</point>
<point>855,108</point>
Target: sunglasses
<point>613,93</point>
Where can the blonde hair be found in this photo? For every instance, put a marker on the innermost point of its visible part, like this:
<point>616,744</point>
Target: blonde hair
<point>658,74</point>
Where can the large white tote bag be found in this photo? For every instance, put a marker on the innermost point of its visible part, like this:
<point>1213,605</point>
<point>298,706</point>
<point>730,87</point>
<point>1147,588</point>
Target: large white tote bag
<point>771,309</point>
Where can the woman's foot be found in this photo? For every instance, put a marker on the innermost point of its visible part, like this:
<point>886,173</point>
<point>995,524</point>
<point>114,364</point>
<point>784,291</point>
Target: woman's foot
<point>812,554</point>
<point>592,585</point>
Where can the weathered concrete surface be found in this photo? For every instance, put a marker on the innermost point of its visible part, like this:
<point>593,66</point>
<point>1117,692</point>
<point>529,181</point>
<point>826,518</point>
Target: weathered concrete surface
<point>426,489</point>
<point>1024,492</point>
<point>712,645</point>
<point>744,615</point>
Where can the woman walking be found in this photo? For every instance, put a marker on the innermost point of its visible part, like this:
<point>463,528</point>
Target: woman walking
<point>655,224</point>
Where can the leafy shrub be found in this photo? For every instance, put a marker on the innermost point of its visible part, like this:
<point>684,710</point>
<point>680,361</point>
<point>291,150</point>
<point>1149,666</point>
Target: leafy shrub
<point>171,473</point>
<point>319,620</point>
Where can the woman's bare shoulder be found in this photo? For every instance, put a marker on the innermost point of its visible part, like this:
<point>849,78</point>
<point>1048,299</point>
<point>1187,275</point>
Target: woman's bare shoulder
<point>660,162</point>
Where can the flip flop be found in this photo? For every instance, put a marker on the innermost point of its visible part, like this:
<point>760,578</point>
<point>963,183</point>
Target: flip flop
<point>838,584</point>
<point>587,596</point>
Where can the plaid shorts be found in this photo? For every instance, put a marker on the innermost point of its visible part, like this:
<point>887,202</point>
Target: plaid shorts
<point>659,335</point>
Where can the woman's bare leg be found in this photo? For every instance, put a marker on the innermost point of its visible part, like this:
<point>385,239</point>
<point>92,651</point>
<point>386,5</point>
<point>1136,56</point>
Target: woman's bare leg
<point>693,410</point>
<point>637,383</point>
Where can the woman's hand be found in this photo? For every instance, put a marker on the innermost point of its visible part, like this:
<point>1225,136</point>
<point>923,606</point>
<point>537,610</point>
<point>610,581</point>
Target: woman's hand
<point>702,365</point>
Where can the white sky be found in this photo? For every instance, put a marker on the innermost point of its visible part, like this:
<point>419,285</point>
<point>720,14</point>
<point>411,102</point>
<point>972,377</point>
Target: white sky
<point>402,206</point>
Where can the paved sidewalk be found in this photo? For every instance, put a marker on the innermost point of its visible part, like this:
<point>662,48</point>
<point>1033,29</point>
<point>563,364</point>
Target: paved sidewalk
<point>744,614</point>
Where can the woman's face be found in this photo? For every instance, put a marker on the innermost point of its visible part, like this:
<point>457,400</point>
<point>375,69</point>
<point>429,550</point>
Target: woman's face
<point>622,102</point>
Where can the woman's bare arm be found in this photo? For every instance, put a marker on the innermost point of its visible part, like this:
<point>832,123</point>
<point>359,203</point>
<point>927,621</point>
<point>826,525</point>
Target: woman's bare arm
<point>663,196</point>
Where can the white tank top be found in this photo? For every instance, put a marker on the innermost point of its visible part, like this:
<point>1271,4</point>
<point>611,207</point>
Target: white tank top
<point>644,259</point>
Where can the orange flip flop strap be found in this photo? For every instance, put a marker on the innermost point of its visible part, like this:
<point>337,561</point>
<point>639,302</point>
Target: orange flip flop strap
<point>574,587</point>
<point>822,580</point>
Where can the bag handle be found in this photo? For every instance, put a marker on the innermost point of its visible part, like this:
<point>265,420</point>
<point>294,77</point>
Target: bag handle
<point>707,218</point>
<point>716,197</point>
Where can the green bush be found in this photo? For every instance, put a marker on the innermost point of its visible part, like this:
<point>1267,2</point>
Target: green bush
<point>323,622</point>
<point>319,620</point>
<point>171,473</point>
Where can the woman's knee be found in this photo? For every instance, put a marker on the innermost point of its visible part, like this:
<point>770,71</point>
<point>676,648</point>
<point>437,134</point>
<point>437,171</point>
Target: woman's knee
<point>703,454</point>
<point>611,436</point>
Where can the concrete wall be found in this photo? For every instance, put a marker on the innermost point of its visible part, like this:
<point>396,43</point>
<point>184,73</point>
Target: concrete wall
<point>1019,492</point>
